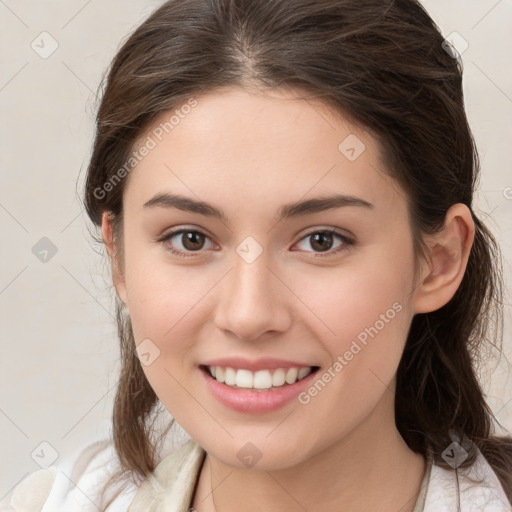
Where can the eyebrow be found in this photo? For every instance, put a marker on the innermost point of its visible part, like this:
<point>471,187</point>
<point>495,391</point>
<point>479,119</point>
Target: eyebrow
<point>287,211</point>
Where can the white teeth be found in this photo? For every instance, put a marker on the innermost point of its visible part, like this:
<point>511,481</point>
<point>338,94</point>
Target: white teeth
<point>303,372</point>
<point>244,379</point>
<point>262,379</point>
<point>219,373</point>
<point>291,375</point>
<point>278,377</point>
<point>230,377</point>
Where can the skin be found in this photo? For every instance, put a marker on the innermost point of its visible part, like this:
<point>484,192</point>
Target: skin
<point>248,152</point>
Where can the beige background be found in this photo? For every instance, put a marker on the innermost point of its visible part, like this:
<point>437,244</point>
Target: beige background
<point>59,353</point>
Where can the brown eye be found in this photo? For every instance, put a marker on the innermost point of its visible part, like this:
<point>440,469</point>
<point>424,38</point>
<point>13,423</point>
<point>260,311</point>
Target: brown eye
<point>184,242</point>
<point>192,240</point>
<point>323,241</point>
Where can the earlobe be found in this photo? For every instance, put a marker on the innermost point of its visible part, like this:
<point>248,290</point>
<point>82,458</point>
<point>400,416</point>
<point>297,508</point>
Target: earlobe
<point>448,257</point>
<point>108,240</point>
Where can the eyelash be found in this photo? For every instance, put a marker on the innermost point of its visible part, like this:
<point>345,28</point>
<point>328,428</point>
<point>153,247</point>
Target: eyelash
<point>347,242</point>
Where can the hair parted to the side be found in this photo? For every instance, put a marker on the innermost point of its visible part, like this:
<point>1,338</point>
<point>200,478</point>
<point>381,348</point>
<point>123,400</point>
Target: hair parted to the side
<point>383,65</point>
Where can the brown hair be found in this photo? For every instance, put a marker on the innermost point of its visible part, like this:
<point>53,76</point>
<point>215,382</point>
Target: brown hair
<point>384,65</point>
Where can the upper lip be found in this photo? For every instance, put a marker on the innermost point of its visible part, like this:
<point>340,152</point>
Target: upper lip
<point>265,363</point>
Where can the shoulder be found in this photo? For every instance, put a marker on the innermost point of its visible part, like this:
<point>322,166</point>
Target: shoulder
<point>74,484</point>
<point>477,485</point>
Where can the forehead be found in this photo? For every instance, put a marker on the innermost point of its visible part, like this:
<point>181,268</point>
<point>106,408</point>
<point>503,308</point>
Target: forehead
<point>273,146</point>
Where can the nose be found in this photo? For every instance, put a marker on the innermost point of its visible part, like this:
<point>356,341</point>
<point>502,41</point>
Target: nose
<point>253,300</point>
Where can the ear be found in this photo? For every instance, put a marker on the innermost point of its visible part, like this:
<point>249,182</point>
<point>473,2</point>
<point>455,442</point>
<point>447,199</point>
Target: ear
<point>108,240</point>
<point>448,257</point>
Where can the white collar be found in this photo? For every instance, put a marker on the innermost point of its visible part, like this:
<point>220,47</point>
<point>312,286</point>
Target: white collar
<point>172,483</point>
<point>477,485</point>
<point>169,488</point>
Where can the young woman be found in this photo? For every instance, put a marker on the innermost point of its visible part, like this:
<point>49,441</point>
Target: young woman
<point>285,193</point>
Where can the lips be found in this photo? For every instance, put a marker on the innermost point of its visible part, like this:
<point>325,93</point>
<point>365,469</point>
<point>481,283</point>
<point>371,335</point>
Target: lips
<point>253,365</point>
<point>246,399</point>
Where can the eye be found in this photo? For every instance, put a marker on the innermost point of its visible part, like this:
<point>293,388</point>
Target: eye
<point>192,242</point>
<point>323,241</point>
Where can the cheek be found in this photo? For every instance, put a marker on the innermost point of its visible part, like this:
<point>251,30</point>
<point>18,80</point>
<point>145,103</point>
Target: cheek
<point>362,314</point>
<point>162,297</point>
<point>164,309</point>
<point>353,297</point>
<point>370,320</point>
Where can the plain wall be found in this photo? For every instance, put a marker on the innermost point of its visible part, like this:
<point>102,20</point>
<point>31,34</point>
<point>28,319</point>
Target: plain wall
<point>59,364</point>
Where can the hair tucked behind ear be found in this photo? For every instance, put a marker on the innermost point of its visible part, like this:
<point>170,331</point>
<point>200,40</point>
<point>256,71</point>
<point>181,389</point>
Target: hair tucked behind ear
<point>382,63</point>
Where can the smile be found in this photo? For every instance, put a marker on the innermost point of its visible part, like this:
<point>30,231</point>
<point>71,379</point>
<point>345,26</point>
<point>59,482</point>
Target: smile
<point>262,379</point>
<point>246,391</point>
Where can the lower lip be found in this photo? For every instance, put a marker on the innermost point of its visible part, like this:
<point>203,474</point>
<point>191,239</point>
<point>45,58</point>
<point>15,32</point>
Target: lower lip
<point>245,400</point>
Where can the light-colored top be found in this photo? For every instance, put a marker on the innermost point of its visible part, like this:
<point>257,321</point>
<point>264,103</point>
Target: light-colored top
<point>76,486</point>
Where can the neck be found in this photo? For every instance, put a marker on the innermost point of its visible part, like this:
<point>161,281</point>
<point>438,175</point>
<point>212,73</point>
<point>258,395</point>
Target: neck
<point>372,468</point>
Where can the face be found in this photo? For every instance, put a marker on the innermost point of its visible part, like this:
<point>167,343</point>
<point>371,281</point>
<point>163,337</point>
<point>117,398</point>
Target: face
<point>255,281</point>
